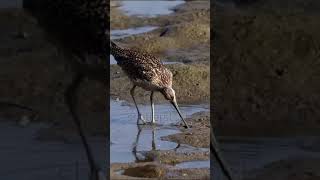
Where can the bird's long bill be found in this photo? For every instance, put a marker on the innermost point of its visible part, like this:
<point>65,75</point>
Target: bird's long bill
<point>175,105</point>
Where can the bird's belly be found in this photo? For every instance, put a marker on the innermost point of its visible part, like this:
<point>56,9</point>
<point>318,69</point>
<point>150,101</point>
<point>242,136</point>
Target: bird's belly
<point>148,86</point>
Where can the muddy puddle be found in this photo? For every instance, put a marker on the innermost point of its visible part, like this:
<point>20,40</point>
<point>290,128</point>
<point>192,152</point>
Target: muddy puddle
<point>129,142</point>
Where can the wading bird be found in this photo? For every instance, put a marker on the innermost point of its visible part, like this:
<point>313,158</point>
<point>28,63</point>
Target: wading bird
<point>80,28</point>
<point>148,72</point>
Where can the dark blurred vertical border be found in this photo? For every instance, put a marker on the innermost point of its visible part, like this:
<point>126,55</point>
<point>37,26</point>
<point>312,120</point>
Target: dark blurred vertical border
<point>265,87</point>
<point>108,118</point>
<point>212,16</point>
<point>37,135</point>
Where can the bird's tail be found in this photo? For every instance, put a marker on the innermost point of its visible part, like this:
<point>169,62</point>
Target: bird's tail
<point>113,44</point>
<point>114,48</point>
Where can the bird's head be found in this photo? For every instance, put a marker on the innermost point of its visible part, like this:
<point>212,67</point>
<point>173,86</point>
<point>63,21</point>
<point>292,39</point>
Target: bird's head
<point>169,94</point>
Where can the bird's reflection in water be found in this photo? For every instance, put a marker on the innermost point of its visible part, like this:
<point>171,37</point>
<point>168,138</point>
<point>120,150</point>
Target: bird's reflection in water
<point>146,156</point>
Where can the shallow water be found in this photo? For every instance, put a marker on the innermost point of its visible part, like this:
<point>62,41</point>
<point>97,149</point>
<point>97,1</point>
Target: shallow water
<point>124,130</point>
<point>193,164</point>
<point>247,154</point>
<point>117,34</point>
<point>24,157</point>
<point>149,8</point>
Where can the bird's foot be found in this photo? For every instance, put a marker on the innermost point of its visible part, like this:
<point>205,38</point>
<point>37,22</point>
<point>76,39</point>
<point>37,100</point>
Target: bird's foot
<point>153,123</point>
<point>183,125</point>
<point>140,118</point>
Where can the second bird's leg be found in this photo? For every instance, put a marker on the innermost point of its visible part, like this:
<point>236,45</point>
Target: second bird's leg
<point>139,114</point>
<point>71,102</point>
<point>152,108</point>
<point>214,149</point>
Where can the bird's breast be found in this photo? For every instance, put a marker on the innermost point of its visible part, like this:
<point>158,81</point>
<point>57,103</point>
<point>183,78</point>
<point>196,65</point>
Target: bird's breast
<point>146,85</point>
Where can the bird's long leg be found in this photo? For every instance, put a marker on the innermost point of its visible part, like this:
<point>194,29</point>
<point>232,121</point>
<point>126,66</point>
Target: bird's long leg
<point>216,152</point>
<point>10,104</point>
<point>71,103</point>
<point>135,145</point>
<point>134,100</point>
<point>153,139</point>
<point>152,107</point>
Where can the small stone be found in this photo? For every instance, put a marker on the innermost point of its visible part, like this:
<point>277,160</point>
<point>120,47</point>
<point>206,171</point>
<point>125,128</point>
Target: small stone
<point>184,174</point>
<point>22,35</point>
<point>24,121</point>
<point>117,72</point>
<point>117,99</point>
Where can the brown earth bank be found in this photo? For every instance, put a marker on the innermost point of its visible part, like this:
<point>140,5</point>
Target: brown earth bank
<point>34,74</point>
<point>185,30</point>
<point>266,71</point>
<point>154,170</point>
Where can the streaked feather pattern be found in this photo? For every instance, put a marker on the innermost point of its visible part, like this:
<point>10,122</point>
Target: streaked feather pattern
<point>144,69</point>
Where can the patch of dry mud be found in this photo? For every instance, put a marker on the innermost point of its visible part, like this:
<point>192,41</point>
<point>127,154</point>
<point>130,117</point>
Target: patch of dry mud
<point>153,170</point>
<point>198,136</point>
<point>266,73</point>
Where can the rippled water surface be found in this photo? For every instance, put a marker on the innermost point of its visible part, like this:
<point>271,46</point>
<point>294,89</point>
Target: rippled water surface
<point>149,8</point>
<point>124,130</point>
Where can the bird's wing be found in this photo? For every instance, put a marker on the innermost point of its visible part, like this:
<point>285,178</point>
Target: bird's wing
<point>140,65</point>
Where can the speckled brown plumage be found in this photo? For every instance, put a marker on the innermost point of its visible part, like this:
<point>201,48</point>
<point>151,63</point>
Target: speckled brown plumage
<point>79,26</point>
<point>143,69</point>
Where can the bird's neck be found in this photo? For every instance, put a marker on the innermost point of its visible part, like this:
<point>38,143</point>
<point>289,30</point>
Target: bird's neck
<point>114,48</point>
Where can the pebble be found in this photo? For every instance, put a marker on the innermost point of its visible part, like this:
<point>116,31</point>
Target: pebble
<point>24,121</point>
<point>22,35</point>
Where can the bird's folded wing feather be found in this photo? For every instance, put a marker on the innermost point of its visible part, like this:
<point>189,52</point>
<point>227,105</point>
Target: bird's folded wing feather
<point>140,66</point>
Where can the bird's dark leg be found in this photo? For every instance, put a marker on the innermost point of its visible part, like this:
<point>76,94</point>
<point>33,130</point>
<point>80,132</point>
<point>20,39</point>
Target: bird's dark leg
<point>10,104</point>
<point>134,100</point>
<point>152,107</point>
<point>71,103</point>
<point>153,139</point>
<point>216,152</point>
